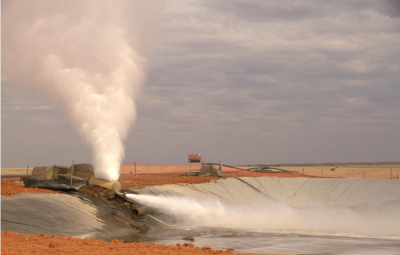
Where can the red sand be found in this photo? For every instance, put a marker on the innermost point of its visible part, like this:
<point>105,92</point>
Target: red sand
<point>16,243</point>
<point>9,188</point>
<point>128,181</point>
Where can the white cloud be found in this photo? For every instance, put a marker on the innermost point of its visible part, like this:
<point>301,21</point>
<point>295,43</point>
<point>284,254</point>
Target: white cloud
<point>357,101</point>
<point>356,66</point>
<point>270,74</point>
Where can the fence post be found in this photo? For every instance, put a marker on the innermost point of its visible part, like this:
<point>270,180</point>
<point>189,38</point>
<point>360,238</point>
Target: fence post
<point>72,171</point>
<point>27,171</point>
<point>303,171</point>
<point>391,173</point>
<point>135,168</point>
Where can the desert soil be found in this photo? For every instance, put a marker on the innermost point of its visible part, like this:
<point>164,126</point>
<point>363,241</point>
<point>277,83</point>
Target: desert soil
<point>9,188</point>
<point>16,243</point>
<point>128,181</point>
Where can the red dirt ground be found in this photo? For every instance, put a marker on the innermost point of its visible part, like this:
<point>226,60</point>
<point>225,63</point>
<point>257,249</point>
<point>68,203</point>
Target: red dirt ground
<point>9,188</point>
<point>16,243</point>
<point>128,181</point>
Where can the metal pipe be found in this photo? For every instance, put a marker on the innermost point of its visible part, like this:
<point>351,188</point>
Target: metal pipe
<point>67,176</point>
<point>123,195</point>
<point>257,169</point>
<point>114,185</point>
<point>140,211</point>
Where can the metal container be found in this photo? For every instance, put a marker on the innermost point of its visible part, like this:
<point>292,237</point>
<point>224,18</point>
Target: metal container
<point>194,158</point>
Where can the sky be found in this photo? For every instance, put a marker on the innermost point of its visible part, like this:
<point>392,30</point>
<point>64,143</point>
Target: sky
<point>242,82</point>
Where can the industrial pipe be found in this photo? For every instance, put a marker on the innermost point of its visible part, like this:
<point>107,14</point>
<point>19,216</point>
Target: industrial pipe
<point>69,176</point>
<point>254,169</point>
<point>141,211</point>
<point>114,185</point>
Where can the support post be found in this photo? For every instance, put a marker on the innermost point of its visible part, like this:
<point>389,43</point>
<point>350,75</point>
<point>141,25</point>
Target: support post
<point>72,171</point>
<point>27,171</point>
<point>135,168</point>
<point>52,174</point>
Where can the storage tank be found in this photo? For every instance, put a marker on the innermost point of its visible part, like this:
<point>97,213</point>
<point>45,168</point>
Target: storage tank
<point>194,158</point>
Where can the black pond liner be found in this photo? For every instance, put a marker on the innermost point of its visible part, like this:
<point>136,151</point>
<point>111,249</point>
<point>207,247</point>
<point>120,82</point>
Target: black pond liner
<point>60,184</point>
<point>61,214</point>
<point>80,216</point>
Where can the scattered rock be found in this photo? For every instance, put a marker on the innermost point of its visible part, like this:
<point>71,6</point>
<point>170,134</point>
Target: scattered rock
<point>210,170</point>
<point>117,241</point>
<point>188,238</point>
<point>190,245</point>
<point>53,245</point>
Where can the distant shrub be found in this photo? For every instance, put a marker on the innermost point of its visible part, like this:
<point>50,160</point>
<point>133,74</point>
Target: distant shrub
<point>333,169</point>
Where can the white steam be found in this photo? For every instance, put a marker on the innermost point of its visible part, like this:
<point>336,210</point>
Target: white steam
<point>87,53</point>
<point>271,216</point>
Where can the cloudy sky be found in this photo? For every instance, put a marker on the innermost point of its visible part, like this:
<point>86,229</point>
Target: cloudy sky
<point>244,82</point>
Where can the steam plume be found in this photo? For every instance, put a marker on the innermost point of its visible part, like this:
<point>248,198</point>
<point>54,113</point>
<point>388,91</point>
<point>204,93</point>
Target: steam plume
<point>86,53</point>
